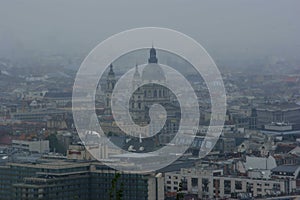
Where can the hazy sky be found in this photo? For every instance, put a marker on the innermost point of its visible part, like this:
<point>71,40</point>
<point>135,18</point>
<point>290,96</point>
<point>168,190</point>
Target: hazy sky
<point>226,28</point>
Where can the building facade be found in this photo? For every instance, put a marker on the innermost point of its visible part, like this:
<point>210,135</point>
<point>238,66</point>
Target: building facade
<point>39,146</point>
<point>288,114</point>
<point>209,184</point>
<point>69,180</point>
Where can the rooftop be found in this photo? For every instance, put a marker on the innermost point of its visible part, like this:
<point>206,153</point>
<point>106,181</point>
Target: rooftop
<point>286,168</point>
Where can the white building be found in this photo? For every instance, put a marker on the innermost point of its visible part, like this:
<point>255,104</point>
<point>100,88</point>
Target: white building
<point>40,146</point>
<point>211,183</point>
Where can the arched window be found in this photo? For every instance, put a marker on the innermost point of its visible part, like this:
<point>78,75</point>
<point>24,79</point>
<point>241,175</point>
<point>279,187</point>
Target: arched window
<point>159,93</point>
<point>155,93</point>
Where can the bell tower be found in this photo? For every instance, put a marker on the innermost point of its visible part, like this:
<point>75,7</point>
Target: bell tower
<point>110,84</point>
<point>136,106</point>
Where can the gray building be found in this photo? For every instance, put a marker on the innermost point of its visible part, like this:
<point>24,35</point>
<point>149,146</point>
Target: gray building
<point>62,179</point>
<point>288,113</point>
<point>39,146</point>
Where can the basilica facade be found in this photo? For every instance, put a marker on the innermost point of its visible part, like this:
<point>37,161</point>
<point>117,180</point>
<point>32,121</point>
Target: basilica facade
<point>146,93</point>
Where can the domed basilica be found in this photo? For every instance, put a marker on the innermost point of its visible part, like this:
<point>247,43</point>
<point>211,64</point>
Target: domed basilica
<point>146,95</point>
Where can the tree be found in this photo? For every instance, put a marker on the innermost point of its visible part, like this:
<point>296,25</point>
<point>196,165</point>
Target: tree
<point>55,145</point>
<point>114,192</point>
<point>179,194</point>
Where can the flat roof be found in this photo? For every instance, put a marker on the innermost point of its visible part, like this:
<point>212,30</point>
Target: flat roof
<point>286,168</point>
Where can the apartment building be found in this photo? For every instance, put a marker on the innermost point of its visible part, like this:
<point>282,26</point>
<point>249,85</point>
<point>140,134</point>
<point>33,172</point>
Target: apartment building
<point>211,183</point>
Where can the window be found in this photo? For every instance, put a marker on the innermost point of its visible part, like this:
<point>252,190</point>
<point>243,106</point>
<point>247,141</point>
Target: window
<point>205,185</point>
<point>216,183</point>
<point>249,187</point>
<point>276,186</point>
<point>238,185</point>
<point>227,186</point>
<point>155,93</point>
<point>194,182</point>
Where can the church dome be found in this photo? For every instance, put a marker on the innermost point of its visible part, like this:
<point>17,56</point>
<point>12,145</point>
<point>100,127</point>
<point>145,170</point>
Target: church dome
<point>153,71</point>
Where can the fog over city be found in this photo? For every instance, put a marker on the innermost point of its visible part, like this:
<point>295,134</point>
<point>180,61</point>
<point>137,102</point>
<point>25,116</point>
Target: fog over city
<point>232,31</point>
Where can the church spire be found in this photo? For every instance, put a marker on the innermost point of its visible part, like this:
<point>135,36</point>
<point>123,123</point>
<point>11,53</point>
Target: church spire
<point>136,72</point>
<point>153,58</point>
<point>111,71</point>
